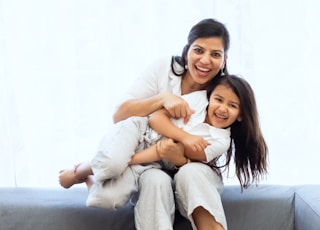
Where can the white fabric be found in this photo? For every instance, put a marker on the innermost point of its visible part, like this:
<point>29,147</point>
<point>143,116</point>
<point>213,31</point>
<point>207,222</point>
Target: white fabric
<point>197,185</point>
<point>155,207</point>
<point>114,180</point>
<point>117,147</point>
<point>157,78</point>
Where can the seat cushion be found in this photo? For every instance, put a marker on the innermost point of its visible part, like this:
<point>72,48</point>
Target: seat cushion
<point>263,207</point>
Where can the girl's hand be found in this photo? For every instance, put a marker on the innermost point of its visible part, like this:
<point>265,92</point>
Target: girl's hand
<point>172,152</point>
<point>195,143</point>
<point>177,107</point>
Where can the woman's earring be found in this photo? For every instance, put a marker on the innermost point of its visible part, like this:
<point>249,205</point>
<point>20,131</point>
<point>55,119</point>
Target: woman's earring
<point>185,66</point>
<point>222,73</point>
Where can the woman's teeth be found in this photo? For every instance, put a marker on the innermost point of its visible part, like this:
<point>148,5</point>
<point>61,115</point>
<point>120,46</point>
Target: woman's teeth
<point>202,69</point>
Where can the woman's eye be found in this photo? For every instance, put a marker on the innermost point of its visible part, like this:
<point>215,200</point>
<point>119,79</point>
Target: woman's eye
<point>198,50</point>
<point>216,55</point>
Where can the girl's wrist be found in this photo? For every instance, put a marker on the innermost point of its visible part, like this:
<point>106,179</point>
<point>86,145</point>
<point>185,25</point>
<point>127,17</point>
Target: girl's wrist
<point>187,161</point>
<point>158,151</point>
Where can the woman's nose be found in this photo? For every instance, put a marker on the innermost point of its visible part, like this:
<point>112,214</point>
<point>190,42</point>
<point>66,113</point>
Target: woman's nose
<point>205,59</point>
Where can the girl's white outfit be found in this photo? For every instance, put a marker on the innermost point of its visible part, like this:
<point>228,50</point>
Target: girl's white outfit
<point>195,184</point>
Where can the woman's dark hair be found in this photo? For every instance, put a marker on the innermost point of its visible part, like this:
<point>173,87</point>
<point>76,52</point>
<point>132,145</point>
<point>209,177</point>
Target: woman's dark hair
<point>248,147</point>
<point>204,29</point>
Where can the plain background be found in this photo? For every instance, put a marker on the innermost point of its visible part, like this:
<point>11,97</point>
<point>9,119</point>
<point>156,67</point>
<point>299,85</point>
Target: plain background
<point>65,63</point>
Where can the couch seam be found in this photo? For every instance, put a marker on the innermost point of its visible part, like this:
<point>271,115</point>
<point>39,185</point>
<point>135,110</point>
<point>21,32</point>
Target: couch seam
<point>312,208</point>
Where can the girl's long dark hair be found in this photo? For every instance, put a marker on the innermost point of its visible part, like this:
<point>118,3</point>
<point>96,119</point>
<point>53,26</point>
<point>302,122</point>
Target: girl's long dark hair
<point>248,146</point>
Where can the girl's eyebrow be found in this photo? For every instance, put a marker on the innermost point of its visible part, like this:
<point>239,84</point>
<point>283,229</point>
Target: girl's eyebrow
<point>218,95</point>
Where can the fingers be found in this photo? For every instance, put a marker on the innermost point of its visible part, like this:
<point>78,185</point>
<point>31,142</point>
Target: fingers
<point>181,111</point>
<point>188,115</point>
<point>201,146</point>
<point>178,107</point>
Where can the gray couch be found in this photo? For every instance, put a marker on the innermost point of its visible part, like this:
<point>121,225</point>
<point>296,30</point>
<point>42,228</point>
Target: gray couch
<point>266,207</point>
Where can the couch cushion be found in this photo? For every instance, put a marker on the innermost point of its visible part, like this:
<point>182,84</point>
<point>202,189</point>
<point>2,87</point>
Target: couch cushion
<point>52,209</point>
<point>264,207</point>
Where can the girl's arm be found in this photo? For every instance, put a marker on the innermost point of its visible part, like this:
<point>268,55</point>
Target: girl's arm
<point>164,150</point>
<point>145,156</point>
<point>194,145</point>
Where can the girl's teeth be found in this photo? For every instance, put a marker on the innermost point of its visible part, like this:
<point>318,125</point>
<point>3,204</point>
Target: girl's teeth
<point>219,116</point>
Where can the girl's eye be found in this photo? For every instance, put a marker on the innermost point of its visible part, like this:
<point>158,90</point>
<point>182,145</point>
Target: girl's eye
<point>234,106</point>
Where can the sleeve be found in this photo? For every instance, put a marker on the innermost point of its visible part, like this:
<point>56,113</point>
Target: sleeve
<point>220,143</point>
<point>149,83</point>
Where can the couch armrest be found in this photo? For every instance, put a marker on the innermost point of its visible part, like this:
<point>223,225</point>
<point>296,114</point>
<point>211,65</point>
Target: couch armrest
<point>307,207</point>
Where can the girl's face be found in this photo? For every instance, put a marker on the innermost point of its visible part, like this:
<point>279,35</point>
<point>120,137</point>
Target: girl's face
<point>205,58</point>
<point>224,107</point>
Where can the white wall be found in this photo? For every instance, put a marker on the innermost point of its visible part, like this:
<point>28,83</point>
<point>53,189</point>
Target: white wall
<point>63,64</point>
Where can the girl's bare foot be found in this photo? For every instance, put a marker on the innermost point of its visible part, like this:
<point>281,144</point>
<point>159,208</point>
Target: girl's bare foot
<point>78,174</point>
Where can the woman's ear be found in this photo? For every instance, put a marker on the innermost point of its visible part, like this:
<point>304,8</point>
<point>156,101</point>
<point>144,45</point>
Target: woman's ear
<point>225,61</point>
<point>239,118</point>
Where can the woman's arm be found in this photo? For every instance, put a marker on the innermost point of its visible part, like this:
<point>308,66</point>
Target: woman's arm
<point>175,105</point>
<point>138,107</point>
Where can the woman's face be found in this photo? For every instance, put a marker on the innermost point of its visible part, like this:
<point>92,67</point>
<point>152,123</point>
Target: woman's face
<point>205,58</point>
<point>224,107</point>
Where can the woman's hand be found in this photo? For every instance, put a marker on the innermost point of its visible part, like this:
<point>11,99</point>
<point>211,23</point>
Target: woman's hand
<point>177,107</point>
<point>172,152</point>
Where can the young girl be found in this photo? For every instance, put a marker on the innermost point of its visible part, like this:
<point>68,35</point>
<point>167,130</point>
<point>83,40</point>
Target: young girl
<point>197,187</point>
<point>231,105</point>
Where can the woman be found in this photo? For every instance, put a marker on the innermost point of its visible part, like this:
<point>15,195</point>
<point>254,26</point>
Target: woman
<point>202,60</point>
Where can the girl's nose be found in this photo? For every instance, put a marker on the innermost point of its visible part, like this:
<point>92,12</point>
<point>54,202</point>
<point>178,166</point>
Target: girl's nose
<point>222,108</point>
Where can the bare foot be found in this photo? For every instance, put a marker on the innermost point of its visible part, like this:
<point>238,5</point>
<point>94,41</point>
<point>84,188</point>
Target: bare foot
<point>69,177</point>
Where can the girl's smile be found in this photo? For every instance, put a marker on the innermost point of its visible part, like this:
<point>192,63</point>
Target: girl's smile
<point>223,108</point>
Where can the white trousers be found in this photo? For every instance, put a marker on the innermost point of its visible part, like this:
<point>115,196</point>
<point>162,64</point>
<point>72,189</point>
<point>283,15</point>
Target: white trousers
<point>196,184</point>
<point>118,146</point>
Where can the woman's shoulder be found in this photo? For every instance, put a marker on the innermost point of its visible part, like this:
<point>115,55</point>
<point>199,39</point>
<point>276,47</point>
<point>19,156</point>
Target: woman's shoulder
<point>162,62</point>
<point>158,65</point>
